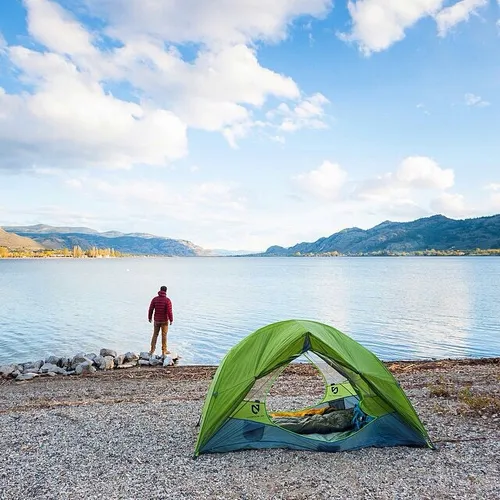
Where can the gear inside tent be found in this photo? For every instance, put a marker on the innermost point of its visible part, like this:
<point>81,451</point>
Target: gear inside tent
<point>363,404</point>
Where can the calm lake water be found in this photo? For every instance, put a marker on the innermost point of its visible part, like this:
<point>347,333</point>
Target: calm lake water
<point>401,308</point>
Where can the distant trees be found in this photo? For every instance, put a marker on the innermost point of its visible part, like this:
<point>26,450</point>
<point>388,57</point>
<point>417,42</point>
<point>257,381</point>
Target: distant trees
<point>76,253</point>
<point>95,252</point>
<point>418,253</point>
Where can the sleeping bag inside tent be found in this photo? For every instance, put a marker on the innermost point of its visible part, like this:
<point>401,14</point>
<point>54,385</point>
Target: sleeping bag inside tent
<point>363,404</point>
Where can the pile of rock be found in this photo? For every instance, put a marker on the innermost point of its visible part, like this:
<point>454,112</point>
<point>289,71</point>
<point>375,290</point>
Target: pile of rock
<point>83,364</point>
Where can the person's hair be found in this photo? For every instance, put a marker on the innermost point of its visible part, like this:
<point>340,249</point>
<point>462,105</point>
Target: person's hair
<point>163,288</point>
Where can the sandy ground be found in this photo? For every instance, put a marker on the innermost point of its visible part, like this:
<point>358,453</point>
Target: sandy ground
<point>131,435</point>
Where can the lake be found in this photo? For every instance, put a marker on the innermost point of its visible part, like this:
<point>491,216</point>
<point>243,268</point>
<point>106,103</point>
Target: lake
<point>400,308</point>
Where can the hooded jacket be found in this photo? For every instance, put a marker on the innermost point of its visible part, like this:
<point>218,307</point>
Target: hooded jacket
<point>162,307</point>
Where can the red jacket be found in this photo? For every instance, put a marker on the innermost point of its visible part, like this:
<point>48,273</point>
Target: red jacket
<point>162,306</point>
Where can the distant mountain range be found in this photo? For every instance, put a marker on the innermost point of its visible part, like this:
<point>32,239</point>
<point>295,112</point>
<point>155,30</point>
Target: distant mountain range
<point>437,232</point>
<point>84,237</point>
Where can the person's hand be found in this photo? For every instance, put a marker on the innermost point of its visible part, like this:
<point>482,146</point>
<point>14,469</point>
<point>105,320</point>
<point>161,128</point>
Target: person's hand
<point>171,322</point>
<point>150,321</point>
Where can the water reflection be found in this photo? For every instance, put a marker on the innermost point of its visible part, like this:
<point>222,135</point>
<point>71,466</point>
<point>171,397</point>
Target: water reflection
<point>400,308</point>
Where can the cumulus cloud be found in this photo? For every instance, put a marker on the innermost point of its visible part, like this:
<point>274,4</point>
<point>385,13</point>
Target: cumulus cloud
<point>67,114</point>
<point>404,192</point>
<point>413,173</point>
<point>449,17</point>
<point>377,24</point>
<point>421,172</point>
<point>324,182</point>
<point>213,23</point>
<point>71,120</point>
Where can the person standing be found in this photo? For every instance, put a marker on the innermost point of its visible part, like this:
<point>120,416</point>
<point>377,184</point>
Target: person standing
<point>163,315</point>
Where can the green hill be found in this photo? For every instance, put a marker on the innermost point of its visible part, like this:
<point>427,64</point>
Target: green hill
<point>437,232</point>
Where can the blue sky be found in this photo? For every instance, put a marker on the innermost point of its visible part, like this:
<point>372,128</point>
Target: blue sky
<point>239,125</point>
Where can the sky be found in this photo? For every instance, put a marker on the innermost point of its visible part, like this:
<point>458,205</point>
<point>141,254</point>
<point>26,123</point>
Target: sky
<point>241,125</point>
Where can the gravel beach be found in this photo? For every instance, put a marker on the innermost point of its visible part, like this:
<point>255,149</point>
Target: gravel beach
<point>131,435</point>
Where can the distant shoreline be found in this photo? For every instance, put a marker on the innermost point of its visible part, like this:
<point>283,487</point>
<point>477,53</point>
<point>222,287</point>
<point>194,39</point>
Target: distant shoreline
<point>61,257</point>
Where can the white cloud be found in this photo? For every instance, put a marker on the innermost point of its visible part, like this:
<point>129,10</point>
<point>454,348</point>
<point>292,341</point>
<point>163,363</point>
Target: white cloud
<point>494,186</point>
<point>449,17</point>
<point>421,172</point>
<point>324,182</point>
<point>475,100</point>
<point>451,204</point>
<point>307,113</point>
<point>67,117</point>
<point>383,189</point>
<point>395,193</point>
<point>53,27</point>
<point>209,93</point>
<point>71,120</point>
<point>215,22</point>
<point>377,24</point>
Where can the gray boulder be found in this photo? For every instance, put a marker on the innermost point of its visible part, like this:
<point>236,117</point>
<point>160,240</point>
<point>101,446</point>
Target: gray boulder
<point>110,362</point>
<point>85,368</point>
<point>7,370</point>
<point>49,374</point>
<point>144,362</point>
<point>31,370</point>
<point>144,355</point>
<point>119,360</point>
<point>154,361</point>
<point>50,368</point>
<point>53,360</point>
<point>78,359</point>
<point>91,356</point>
<point>100,362</point>
<point>32,365</point>
<point>131,356</point>
<point>108,352</point>
<point>26,376</point>
<point>64,362</point>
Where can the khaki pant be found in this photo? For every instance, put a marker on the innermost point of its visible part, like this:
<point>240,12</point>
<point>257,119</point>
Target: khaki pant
<point>156,331</point>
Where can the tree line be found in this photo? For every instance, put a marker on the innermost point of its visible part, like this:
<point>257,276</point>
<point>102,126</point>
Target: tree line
<point>76,252</point>
<point>419,253</point>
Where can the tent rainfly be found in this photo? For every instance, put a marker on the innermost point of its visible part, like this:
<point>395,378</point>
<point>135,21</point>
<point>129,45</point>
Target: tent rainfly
<point>363,404</point>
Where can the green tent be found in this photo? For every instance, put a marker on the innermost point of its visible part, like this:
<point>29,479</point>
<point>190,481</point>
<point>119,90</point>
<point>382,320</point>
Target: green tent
<point>359,392</point>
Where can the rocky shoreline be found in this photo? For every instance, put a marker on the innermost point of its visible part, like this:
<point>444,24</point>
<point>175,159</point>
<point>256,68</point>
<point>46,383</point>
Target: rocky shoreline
<point>127,434</point>
<point>83,364</point>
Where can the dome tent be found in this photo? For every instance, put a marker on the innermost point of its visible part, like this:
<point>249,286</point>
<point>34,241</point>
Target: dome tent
<point>234,416</point>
